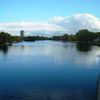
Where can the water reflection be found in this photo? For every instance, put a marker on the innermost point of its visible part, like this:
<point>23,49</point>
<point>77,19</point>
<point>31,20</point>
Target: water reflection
<point>85,47</point>
<point>57,67</point>
<point>4,49</point>
<point>22,47</point>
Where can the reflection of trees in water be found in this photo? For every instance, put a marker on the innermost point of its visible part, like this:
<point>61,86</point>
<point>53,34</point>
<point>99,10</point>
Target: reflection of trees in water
<point>22,47</point>
<point>4,49</point>
<point>85,47</point>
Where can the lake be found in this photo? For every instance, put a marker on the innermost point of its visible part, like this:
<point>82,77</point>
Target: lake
<point>49,70</point>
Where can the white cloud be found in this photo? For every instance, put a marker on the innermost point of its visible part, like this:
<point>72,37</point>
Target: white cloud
<point>57,25</point>
<point>76,22</point>
<point>30,27</point>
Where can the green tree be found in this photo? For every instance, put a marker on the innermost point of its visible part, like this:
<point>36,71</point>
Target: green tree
<point>85,36</point>
<point>16,39</point>
<point>29,38</point>
<point>72,37</point>
<point>57,38</point>
<point>65,37</point>
<point>5,38</point>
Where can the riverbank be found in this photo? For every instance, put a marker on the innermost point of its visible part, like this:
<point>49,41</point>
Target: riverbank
<point>97,43</point>
<point>7,44</point>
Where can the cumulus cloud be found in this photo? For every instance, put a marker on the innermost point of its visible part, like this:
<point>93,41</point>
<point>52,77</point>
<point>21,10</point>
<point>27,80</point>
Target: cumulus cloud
<point>57,25</point>
<point>74,23</point>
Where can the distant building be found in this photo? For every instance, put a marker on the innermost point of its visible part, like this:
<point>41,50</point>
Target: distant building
<point>22,34</point>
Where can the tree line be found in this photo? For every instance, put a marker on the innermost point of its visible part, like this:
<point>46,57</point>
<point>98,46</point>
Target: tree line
<point>81,36</point>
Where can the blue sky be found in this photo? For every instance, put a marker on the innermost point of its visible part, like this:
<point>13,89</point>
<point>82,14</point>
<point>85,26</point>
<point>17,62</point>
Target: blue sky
<point>41,10</point>
<point>49,17</point>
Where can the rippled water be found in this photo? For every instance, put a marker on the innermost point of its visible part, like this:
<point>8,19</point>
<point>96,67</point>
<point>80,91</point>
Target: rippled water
<point>49,70</point>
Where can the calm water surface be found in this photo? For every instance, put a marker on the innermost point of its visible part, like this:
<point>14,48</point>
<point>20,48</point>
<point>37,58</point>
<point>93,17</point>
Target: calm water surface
<point>48,70</point>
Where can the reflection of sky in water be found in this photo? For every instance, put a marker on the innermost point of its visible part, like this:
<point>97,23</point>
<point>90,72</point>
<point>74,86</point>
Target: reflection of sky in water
<point>89,59</point>
<point>61,52</point>
<point>57,52</point>
<point>50,64</point>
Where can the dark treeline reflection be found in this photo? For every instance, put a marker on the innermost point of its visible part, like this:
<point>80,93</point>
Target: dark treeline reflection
<point>4,49</point>
<point>84,47</point>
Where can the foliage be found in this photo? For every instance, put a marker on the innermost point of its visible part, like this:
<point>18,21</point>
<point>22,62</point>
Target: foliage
<point>29,38</point>
<point>33,38</point>
<point>72,38</point>
<point>57,38</point>
<point>65,37</point>
<point>4,38</point>
<point>16,38</point>
<point>62,38</point>
<point>85,36</point>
